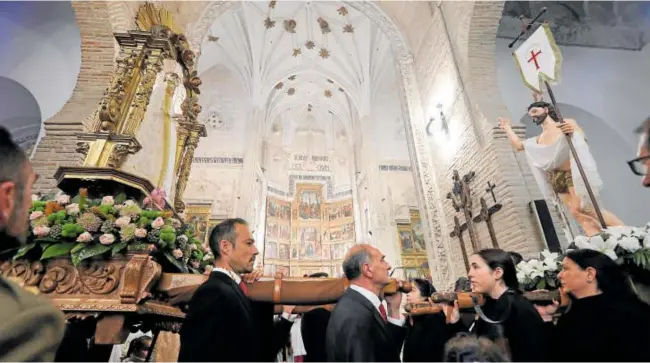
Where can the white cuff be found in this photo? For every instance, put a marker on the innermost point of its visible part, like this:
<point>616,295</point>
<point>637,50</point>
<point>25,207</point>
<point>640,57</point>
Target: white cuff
<point>290,317</point>
<point>398,322</point>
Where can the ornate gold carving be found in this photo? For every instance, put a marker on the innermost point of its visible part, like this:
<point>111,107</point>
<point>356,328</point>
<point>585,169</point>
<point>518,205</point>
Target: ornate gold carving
<point>83,147</point>
<point>149,16</point>
<point>95,278</point>
<point>194,132</point>
<point>139,275</point>
<point>30,273</point>
<point>119,153</point>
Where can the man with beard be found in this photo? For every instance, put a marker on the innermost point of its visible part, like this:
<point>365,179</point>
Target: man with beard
<point>555,169</point>
<point>220,323</point>
<point>31,327</point>
<point>641,164</point>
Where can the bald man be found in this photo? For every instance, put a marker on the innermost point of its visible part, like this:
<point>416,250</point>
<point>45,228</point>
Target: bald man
<point>360,328</point>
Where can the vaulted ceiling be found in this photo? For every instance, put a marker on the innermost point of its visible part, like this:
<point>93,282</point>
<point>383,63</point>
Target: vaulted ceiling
<point>294,59</point>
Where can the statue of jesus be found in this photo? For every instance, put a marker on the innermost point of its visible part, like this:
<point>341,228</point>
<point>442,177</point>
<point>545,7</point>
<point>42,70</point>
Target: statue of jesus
<point>555,169</point>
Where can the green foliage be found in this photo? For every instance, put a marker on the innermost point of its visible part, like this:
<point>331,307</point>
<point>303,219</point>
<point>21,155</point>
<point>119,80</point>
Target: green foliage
<point>88,251</point>
<point>120,198</point>
<point>23,250</point>
<point>72,230</point>
<point>117,248</point>
<point>56,250</point>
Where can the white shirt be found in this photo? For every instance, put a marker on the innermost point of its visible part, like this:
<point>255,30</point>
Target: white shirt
<point>296,339</point>
<point>237,280</point>
<point>374,300</point>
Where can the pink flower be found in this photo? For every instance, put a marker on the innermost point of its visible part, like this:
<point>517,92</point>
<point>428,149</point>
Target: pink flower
<point>108,200</point>
<point>177,253</point>
<point>141,233</point>
<point>85,237</point>
<point>156,199</point>
<point>63,199</point>
<point>196,264</point>
<point>206,249</point>
<point>35,215</point>
<point>42,231</point>
<point>157,223</point>
<point>122,221</point>
<point>106,239</point>
<point>72,209</point>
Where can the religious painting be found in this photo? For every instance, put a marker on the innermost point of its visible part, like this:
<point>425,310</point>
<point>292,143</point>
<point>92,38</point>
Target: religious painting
<point>335,212</point>
<point>335,234</point>
<point>271,229</point>
<point>405,237</point>
<point>285,270</point>
<point>200,226</point>
<point>327,252</point>
<point>337,251</point>
<point>411,273</point>
<point>284,232</point>
<point>310,246</point>
<point>347,231</point>
<point>271,250</point>
<point>309,207</point>
<point>294,252</point>
<point>269,269</point>
<point>418,233</point>
<point>279,209</point>
<point>283,252</point>
<point>347,210</point>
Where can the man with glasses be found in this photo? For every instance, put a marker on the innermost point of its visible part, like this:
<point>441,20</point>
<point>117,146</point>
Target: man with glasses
<point>641,164</point>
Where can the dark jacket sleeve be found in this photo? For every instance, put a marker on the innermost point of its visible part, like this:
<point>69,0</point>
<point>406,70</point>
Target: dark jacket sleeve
<point>396,335</point>
<point>527,334</point>
<point>210,328</point>
<point>281,333</point>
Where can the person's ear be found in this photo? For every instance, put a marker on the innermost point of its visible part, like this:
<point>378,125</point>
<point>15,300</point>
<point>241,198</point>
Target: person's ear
<point>498,273</point>
<point>225,247</point>
<point>591,274</point>
<point>7,199</point>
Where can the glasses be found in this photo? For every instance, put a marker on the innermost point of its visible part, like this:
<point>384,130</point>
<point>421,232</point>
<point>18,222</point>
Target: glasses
<point>639,166</point>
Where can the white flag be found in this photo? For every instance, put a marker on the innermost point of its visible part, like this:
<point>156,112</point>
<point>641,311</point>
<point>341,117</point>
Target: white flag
<point>539,59</point>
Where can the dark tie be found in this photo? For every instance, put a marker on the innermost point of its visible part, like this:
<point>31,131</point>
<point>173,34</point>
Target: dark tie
<point>243,287</point>
<point>382,312</point>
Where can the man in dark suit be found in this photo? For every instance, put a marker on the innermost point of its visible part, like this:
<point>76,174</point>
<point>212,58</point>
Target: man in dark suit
<point>360,329</point>
<point>313,328</point>
<point>220,322</point>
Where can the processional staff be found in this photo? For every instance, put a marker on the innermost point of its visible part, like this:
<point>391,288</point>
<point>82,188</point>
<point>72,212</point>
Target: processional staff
<point>549,71</point>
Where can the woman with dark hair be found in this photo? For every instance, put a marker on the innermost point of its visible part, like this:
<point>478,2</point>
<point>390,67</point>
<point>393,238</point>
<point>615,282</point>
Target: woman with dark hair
<point>426,334</point>
<point>506,318</point>
<point>606,320</point>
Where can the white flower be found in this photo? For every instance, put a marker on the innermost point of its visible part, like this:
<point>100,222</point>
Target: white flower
<point>182,238</point>
<point>106,239</point>
<point>141,233</point>
<point>597,243</point>
<point>177,253</point>
<point>646,241</point>
<point>630,244</point>
<point>63,199</point>
<point>523,271</point>
<point>536,268</point>
<point>581,242</point>
<point>72,209</point>
<point>122,221</point>
<point>157,223</point>
<point>129,203</point>
<point>35,198</point>
<point>207,256</point>
<point>208,269</point>
<point>108,200</point>
<point>41,231</point>
<point>85,237</point>
<point>619,231</point>
<point>35,215</point>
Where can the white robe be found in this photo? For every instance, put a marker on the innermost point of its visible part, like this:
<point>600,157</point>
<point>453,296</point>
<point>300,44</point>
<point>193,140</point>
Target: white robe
<point>545,158</point>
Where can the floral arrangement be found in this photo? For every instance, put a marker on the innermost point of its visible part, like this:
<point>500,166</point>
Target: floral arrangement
<point>539,273</point>
<point>628,246</point>
<point>81,228</point>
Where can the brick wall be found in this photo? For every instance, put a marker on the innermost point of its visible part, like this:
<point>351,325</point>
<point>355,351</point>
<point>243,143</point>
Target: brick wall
<point>57,147</point>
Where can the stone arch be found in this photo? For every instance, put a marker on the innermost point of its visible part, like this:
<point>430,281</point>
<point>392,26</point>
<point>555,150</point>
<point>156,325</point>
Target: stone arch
<point>57,147</point>
<point>431,202</point>
<point>482,82</point>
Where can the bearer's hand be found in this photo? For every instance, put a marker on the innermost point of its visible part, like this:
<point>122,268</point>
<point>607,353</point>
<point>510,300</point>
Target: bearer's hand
<point>504,123</point>
<point>452,312</point>
<point>567,128</point>
<point>288,309</point>
<point>252,277</point>
<point>546,312</point>
<point>394,301</point>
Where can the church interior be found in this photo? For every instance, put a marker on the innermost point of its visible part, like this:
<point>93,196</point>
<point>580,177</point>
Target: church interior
<point>328,123</point>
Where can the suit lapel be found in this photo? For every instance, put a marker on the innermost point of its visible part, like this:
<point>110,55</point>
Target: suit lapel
<point>238,291</point>
<point>368,305</point>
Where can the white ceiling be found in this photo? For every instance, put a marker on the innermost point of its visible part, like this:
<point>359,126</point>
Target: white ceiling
<point>348,72</point>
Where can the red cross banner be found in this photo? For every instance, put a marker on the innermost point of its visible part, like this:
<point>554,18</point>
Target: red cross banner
<point>539,59</point>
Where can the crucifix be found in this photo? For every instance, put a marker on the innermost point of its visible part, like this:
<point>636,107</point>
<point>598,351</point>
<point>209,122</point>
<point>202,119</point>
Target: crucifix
<point>458,232</point>
<point>461,199</point>
<point>486,214</point>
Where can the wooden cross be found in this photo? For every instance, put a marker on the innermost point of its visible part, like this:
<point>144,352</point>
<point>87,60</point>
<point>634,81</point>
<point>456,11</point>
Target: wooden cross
<point>458,232</point>
<point>461,199</point>
<point>486,214</point>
